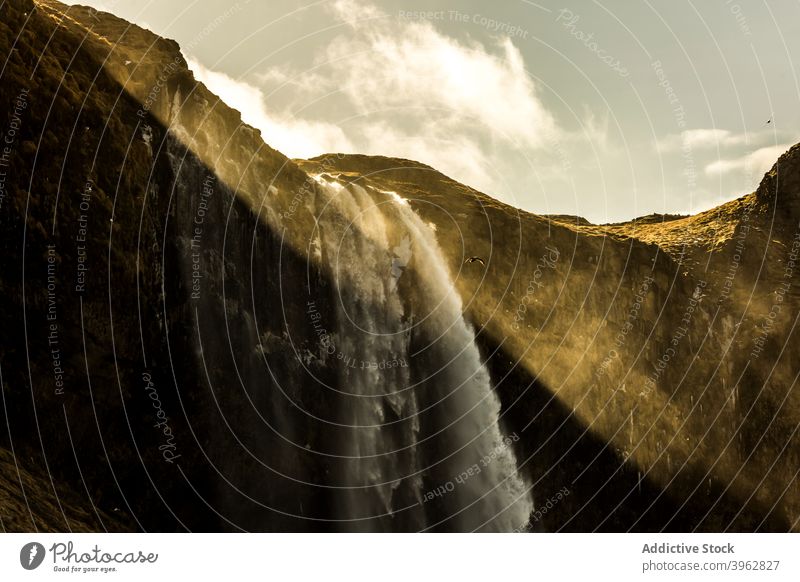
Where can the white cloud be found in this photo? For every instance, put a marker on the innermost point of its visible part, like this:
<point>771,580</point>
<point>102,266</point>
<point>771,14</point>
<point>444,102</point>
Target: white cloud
<point>410,65</point>
<point>402,88</point>
<point>307,83</point>
<point>757,162</point>
<point>294,137</point>
<point>355,12</point>
<point>697,139</point>
<point>595,128</point>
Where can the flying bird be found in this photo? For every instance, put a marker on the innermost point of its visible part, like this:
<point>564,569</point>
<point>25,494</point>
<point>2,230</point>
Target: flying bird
<point>475,259</point>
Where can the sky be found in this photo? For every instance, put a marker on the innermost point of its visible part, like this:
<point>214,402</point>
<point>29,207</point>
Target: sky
<point>603,109</point>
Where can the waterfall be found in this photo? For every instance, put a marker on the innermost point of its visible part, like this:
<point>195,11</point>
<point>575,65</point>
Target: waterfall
<point>407,435</point>
<point>422,442</point>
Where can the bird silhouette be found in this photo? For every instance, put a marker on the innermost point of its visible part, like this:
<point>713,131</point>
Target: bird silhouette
<point>474,259</point>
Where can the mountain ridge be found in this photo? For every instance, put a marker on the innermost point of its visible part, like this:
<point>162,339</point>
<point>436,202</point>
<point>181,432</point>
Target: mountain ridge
<point>704,444</point>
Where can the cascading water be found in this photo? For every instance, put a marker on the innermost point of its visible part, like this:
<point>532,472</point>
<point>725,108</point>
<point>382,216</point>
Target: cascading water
<point>408,437</point>
<point>423,446</point>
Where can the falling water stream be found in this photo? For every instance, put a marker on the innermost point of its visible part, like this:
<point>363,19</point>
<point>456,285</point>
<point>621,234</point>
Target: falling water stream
<point>414,441</point>
<point>424,435</point>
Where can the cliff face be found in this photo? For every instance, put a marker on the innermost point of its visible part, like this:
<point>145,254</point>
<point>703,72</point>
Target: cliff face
<point>199,333</point>
<point>651,364</point>
<point>106,384</point>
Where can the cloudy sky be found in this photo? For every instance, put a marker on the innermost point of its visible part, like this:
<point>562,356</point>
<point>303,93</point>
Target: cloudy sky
<point>606,109</point>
